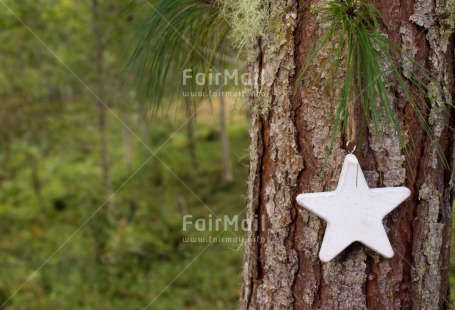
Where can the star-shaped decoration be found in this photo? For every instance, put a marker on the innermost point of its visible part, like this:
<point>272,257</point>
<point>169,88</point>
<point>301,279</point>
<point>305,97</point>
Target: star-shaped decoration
<point>354,212</point>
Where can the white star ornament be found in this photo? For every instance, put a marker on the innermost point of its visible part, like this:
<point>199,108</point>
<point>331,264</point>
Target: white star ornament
<point>354,212</point>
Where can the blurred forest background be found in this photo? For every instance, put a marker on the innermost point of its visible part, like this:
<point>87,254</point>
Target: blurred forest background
<point>93,186</point>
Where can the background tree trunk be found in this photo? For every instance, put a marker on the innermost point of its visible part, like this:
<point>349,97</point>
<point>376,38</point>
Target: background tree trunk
<point>190,131</point>
<point>101,93</point>
<point>127,156</point>
<point>102,223</point>
<point>228,176</point>
<point>289,139</point>
<point>37,187</point>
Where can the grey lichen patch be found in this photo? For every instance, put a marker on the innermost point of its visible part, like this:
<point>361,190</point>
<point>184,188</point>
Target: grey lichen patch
<point>372,178</point>
<point>408,47</point>
<point>308,245</point>
<point>345,278</point>
<point>388,153</point>
<point>318,116</point>
<point>308,238</point>
<point>274,292</point>
<point>438,17</point>
<point>427,271</point>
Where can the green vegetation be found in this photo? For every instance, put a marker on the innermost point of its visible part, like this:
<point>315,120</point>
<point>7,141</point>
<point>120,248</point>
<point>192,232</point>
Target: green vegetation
<point>61,247</point>
<point>145,249</point>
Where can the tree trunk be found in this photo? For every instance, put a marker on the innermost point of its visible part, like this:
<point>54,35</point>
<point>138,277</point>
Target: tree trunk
<point>145,132</point>
<point>37,188</point>
<point>289,140</point>
<point>102,105</point>
<point>191,116</point>
<point>126,142</point>
<point>101,225</point>
<point>225,150</point>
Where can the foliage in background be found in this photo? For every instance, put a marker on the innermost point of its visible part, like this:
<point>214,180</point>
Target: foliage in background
<point>145,251</point>
<point>171,36</point>
<point>366,64</point>
<point>50,177</point>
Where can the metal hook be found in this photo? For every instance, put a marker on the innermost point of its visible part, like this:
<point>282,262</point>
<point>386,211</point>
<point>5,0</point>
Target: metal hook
<point>353,150</point>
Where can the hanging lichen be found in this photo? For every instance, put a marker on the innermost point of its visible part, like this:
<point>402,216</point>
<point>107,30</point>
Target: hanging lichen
<point>251,21</point>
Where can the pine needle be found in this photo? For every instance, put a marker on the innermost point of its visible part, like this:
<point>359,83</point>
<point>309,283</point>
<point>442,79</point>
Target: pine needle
<point>171,36</point>
<point>368,60</point>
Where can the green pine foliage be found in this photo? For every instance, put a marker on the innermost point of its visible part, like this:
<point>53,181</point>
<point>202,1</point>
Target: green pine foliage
<point>365,63</point>
<point>171,36</point>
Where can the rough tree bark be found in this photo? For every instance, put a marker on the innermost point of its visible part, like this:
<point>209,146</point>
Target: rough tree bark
<point>289,140</point>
